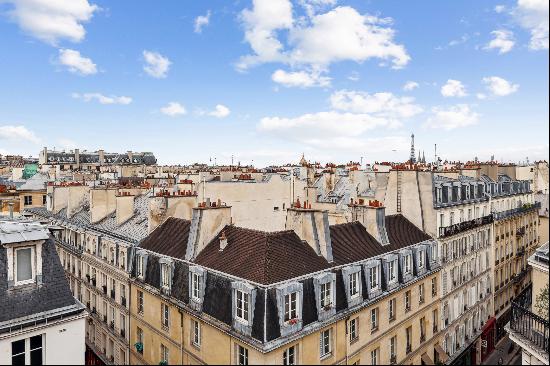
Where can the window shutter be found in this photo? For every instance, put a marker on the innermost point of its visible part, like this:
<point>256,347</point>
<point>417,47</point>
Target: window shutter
<point>444,283</point>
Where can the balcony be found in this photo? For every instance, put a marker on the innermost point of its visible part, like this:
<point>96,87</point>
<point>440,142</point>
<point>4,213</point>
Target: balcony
<point>516,211</point>
<point>519,276</point>
<point>123,301</point>
<point>529,327</point>
<point>464,226</point>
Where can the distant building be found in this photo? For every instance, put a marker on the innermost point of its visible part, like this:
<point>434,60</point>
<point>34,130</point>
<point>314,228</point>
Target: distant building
<point>40,321</point>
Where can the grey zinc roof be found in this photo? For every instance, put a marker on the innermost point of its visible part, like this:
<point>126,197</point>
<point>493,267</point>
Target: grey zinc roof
<point>31,301</point>
<point>36,183</point>
<point>17,232</point>
<point>133,230</point>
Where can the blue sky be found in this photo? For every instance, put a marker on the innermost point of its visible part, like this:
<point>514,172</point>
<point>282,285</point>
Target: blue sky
<point>267,80</point>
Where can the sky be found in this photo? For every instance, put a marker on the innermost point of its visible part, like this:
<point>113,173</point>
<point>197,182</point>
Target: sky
<point>266,81</point>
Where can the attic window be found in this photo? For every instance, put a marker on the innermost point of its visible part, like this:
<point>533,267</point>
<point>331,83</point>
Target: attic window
<point>165,275</point>
<point>197,285</point>
<point>24,266</point>
<point>244,300</point>
<point>420,259</point>
<point>392,271</point>
<point>140,266</point>
<point>407,264</point>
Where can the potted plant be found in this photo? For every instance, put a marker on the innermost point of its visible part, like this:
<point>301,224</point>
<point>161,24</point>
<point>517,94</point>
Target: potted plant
<point>327,307</point>
<point>293,321</point>
<point>139,347</point>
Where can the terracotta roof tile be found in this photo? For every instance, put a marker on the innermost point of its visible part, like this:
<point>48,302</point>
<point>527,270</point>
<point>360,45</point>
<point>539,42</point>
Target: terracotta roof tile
<point>170,238</point>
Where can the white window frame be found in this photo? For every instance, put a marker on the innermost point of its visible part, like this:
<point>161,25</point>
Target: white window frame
<point>292,306</point>
<point>374,356</point>
<point>139,266</point>
<point>196,286</point>
<point>407,264</point>
<point>421,261</point>
<point>392,271</point>
<point>289,356</point>
<point>195,333</point>
<point>354,283</point>
<point>27,350</point>
<point>242,312</point>
<point>165,311</point>
<point>325,343</point>
<point>392,304</point>
<point>242,355</point>
<point>164,353</point>
<point>165,275</point>
<point>374,319</point>
<point>33,268</point>
<point>326,294</point>
<point>354,329</point>
<point>373,277</point>
<point>140,302</point>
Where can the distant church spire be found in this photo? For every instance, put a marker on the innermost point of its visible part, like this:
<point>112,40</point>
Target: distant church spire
<point>412,157</point>
<point>423,157</point>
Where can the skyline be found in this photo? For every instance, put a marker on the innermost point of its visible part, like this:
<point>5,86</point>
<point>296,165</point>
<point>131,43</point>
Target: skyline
<point>216,80</point>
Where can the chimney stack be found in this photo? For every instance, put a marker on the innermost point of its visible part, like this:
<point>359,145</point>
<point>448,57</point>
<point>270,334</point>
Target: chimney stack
<point>102,203</point>
<point>124,207</point>
<point>206,222</point>
<point>312,226</point>
<point>166,204</point>
<point>373,217</point>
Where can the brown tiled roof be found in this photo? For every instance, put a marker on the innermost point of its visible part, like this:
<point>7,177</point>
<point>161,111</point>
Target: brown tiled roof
<point>169,239</point>
<point>351,243</point>
<point>402,232</point>
<point>261,257</point>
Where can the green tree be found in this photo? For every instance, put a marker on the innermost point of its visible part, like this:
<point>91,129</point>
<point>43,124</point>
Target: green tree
<point>541,303</point>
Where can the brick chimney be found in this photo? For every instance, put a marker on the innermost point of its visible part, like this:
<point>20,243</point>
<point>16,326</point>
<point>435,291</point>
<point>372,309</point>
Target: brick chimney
<point>102,203</point>
<point>373,216</point>
<point>208,219</point>
<point>312,226</point>
<point>124,207</point>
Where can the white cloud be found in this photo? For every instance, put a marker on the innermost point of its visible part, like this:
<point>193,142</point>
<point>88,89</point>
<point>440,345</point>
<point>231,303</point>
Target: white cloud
<point>481,96</point>
<point>173,109</point>
<point>103,99</point>
<point>499,87</point>
<point>220,111</point>
<point>410,85</point>
<point>453,88</point>
<point>317,40</point>
<point>53,20</point>
<point>533,16</point>
<point>503,41</point>
<point>301,79</point>
<point>202,21</point>
<point>452,117</point>
<point>384,105</point>
<point>156,65</point>
<point>314,6</point>
<point>76,63</point>
<point>18,133</point>
<point>500,8</point>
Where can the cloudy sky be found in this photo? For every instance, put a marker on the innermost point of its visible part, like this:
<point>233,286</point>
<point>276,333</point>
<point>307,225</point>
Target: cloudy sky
<point>266,80</point>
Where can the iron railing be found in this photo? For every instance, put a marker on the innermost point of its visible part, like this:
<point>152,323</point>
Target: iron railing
<point>516,211</point>
<point>463,226</point>
<point>531,326</point>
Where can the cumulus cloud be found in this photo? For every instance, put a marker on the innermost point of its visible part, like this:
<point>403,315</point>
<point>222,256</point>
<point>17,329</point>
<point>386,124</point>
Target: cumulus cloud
<point>53,20</point>
<point>453,88</point>
<point>173,109</point>
<point>103,99</point>
<point>220,111</point>
<point>18,133</point>
<point>384,105</point>
<point>202,21</point>
<point>503,41</point>
<point>410,85</point>
<point>449,118</point>
<point>76,63</point>
<point>301,79</point>
<point>156,65</point>
<point>499,87</point>
<point>317,40</point>
<point>533,16</point>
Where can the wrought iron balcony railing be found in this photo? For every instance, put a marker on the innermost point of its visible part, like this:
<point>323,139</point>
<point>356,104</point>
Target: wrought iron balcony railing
<point>516,211</point>
<point>531,326</point>
<point>463,226</point>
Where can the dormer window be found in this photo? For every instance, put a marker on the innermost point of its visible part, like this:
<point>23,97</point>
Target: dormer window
<point>392,271</point>
<point>197,285</point>
<point>139,267</point>
<point>291,307</point>
<point>244,299</point>
<point>354,284</point>
<point>325,295</point>
<point>373,278</point>
<point>165,275</point>
<point>421,259</point>
<point>24,266</point>
<point>289,302</point>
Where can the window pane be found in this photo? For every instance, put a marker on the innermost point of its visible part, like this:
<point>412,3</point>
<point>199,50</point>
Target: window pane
<point>18,360</point>
<point>36,342</point>
<point>24,271</point>
<point>18,347</point>
<point>36,357</point>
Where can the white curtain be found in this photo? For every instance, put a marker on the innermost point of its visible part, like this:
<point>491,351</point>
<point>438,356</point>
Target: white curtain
<point>24,269</point>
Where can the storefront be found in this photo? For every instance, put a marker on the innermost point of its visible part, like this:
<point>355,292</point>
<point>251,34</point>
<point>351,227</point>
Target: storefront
<point>488,338</point>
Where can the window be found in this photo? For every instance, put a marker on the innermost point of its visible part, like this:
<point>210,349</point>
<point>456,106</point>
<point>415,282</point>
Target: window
<point>407,263</point>
<point>140,302</point>
<point>421,293</point>
<point>408,333</point>
<point>195,333</point>
<point>242,355</point>
<point>374,319</point>
<point>373,272</point>
<point>27,351</point>
<point>354,284</point>
<point>326,297</point>
<point>164,353</point>
<point>392,309</point>
<point>393,347</point>
<point>165,276</point>
<point>44,200</point>
<point>374,356</point>
<point>289,356</point>
<point>325,343</point>
<point>165,315</point>
<point>392,271</point>
<point>434,252</point>
<point>242,306</point>
<point>421,259</point>
<point>353,329</point>
<point>434,286</point>
<point>139,334</point>
<point>195,286</point>
<point>408,300</point>
<point>28,200</point>
<point>140,265</point>
<point>24,266</point>
<point>291,306</point>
